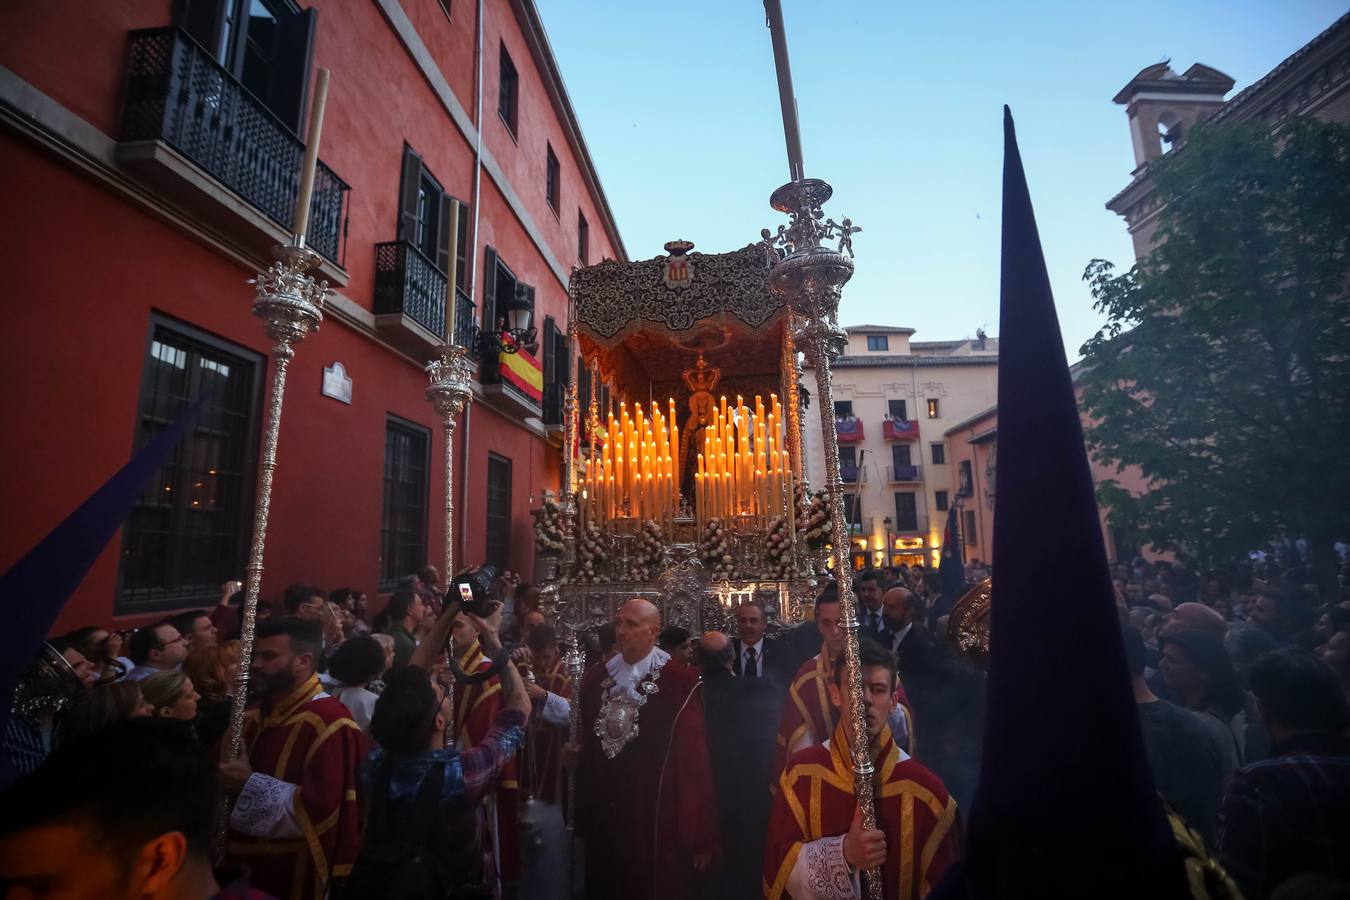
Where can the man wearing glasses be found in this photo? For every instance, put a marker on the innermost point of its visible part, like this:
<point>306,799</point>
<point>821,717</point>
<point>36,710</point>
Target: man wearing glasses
<point>159,648</point>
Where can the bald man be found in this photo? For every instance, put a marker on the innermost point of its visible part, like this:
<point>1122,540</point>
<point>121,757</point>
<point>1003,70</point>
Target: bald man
<point>644,785</point>
<point>1196,617</point>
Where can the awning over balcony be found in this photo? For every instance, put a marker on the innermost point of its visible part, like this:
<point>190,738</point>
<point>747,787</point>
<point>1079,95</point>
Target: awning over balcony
<point>850,430</point>
<point>900,430</point>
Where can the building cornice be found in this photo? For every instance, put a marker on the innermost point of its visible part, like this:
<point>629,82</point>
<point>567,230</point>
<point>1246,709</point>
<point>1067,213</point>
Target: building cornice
<point>967,422</point>
<point>527,16</point>
<point>882,361</point>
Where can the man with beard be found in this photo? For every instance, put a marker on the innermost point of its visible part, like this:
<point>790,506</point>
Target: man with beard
<point>296,821</point>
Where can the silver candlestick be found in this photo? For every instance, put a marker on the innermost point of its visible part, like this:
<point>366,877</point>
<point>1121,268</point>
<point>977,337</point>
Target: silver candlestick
<point>575,663</point>
<point>810,277</point>
<point>451,388</point>
<point>289,300</point>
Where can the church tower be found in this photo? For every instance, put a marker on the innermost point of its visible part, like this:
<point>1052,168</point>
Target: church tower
<point>1162,106</point>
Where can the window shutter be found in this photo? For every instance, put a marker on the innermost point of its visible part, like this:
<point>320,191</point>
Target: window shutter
<point>489,289</point>
<point>202,20</point>
<point>295,52</point>
<point>443,239</point>
<point>407,195</point>
<point>462,252</point>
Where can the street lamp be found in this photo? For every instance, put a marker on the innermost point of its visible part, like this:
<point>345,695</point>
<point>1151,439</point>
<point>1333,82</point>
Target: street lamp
<point>518,329</point>
<point>890,557</point>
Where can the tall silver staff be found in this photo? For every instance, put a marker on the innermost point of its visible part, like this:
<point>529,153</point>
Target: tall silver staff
<point>450,390</point>
<point>810,277</point>
<point>289,300</point>
<point>575,662</point>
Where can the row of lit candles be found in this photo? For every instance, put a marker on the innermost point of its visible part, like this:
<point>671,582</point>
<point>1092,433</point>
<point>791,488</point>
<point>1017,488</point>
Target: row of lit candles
<point>636,474</point>
<point>744,469</point>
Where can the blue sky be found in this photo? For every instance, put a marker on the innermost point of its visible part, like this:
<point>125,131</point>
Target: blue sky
<point>900,106</point>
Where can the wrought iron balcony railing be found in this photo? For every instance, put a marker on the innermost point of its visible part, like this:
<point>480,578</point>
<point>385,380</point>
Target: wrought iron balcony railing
<point>407,282</point>
<point>466,315</point>
<point>177,93</point>
<point>903,474</point>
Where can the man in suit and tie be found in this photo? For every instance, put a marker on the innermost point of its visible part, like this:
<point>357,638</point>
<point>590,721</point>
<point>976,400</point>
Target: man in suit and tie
<point>753,655</point>
<point>869,587</point>
<point>901,609</point>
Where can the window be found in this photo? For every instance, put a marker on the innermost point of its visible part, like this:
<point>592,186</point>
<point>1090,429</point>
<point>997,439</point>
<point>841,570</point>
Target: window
<point>939,452</point>
<point>932,409</point>
<point>554,177</point>
<point>878,342</point>
<point>266,45</point>
<point>848,457</point>
<point>896,410</point>
<point>969,535</point>
<point>906,511</point>
<point>852,510</point>
<point>508,91</point>
<point>424,218</point>
<point>556,361</point>
<point>900,458</point>
<point>189,530</point>
<point>403,516</point>
<point>965,482</point>
<point>583,239</point>
<point>940,501</point>
<point>498,532</point>
<point>843,409</point>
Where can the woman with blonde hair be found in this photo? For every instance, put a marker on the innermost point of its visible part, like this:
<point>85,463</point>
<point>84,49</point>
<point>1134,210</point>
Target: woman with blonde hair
<point>212,670</point>
<point>172,694</point>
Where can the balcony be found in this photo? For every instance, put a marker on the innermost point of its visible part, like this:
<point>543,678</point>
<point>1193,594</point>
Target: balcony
<point>514,384</point>
<point>900,429</point>
<point>903,474</point>
<point>189,128</point>
<point>850,430</point>
<point>409,298</point>
<point>466,316</point>
<point>849,474</point>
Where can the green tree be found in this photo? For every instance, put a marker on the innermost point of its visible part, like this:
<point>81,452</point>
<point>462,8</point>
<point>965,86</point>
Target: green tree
<point>1223,371</point>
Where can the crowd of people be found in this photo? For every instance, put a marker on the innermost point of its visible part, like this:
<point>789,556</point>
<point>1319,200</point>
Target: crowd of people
<point>416,751</point>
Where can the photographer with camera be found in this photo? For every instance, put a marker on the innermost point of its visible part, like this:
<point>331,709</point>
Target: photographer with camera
<point>424,834</point>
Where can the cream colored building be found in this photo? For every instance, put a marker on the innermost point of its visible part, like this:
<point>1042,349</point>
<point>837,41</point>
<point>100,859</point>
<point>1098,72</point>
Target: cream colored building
<point>895,398</point>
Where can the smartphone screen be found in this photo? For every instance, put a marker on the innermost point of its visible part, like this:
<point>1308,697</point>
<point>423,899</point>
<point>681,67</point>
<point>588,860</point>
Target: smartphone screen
<point>466,592</point>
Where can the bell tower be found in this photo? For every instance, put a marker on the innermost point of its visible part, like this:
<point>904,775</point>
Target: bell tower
<point>1162,106</point>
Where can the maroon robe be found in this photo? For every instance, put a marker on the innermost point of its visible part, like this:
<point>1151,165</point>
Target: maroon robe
<point>646,813</point>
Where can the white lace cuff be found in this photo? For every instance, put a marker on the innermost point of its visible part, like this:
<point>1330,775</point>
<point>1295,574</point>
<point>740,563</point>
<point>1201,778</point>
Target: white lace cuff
<point>265,808</point>
<point>821,873</point>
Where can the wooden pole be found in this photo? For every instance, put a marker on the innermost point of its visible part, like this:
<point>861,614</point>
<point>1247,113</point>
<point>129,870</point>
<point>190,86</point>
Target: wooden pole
<point>311,163</point>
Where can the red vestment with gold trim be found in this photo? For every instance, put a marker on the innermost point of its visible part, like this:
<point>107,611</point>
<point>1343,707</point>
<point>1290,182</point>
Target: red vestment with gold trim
<point>815,799</point>
<point>808,717</point>
<point>542,775</point>
<point>646,813</point>
<point>476,705</point>
<point>311,742</point>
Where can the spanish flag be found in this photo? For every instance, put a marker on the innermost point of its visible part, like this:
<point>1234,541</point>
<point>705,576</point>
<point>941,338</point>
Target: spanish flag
<point>524,372</point>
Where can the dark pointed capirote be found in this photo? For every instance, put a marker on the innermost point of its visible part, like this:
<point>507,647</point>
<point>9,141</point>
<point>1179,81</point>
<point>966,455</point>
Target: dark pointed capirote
<point>36,587</point>
<point>1065,805</point>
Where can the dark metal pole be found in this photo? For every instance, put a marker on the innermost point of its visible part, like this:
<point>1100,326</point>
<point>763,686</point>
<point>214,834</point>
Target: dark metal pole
<point>773,11</point>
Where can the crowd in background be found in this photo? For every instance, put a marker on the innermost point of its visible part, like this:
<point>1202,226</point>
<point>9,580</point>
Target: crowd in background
<point>1240,677</point>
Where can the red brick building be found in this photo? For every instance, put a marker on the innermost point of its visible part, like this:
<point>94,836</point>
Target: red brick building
<point>149,160</point>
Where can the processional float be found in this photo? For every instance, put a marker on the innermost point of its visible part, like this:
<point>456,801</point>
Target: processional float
<point>682,476</point>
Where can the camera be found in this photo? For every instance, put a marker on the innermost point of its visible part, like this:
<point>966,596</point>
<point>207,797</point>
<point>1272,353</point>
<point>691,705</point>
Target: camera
<point>474,588</point>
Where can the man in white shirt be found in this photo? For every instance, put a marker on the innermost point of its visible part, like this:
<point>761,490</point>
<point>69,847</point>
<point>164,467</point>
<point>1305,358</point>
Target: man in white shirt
<point>159,648</point>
